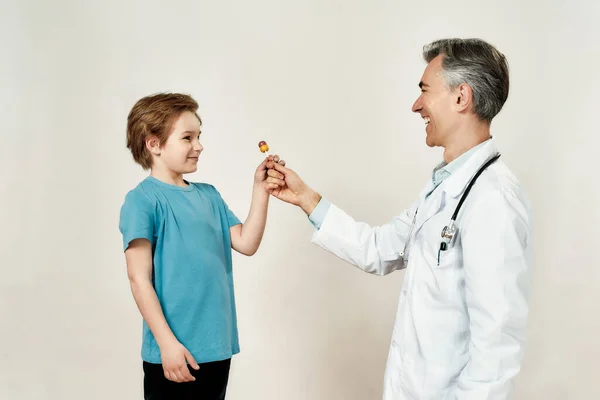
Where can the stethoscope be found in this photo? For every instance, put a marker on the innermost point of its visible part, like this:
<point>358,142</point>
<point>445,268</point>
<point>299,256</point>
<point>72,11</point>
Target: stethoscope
<point>450,230</point>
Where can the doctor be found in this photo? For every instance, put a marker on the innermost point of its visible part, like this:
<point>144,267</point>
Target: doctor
<point>465,242</point>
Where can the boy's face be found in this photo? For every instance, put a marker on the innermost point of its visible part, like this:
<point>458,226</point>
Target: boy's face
<point>179,154</point>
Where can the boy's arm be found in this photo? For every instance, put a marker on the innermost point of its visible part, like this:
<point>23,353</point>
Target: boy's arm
<point>139,271</point>
<point>246,237</point>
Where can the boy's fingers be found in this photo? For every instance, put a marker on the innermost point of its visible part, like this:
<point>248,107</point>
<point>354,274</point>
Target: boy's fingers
<point>180,376</point>
<point>190,359</point>
<point>170,376</point>
<point>263,165</point>
<point>185,373</point>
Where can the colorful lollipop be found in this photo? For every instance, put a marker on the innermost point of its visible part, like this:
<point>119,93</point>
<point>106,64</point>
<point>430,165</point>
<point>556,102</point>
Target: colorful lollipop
<point>264,147</point>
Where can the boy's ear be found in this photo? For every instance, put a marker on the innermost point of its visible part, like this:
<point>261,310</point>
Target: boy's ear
<point>153,145</point>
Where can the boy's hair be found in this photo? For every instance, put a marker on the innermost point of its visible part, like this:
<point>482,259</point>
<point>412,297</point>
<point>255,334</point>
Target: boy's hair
<point>155,115</point>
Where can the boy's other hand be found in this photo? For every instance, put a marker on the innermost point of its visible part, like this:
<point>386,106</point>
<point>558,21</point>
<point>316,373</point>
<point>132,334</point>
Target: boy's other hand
<point>175,358</point>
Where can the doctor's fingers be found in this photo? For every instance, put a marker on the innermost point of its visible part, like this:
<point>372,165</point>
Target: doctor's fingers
<point>276,181</point>
<point>275,174</point>
<point>271,163</point>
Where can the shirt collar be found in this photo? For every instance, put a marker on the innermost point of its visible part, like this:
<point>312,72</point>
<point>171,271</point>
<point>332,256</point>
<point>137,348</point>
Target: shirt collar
<point>444,170</point>
<point>464,171</point>
<point>455,164</point>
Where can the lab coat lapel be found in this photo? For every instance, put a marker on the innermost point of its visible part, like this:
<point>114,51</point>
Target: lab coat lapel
<point>429,207</point>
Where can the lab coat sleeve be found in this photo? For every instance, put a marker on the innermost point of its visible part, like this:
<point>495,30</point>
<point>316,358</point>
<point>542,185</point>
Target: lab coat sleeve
<point>496,242</point>
<point>375,250</point>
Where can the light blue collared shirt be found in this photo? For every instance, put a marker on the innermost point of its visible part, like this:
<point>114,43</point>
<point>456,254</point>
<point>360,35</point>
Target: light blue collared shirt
<point>443,170</point>
<point>318,215</point>
<point>439,174</point>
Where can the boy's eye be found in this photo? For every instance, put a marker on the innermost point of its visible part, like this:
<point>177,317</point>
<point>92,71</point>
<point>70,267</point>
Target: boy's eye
<point>186,138</point>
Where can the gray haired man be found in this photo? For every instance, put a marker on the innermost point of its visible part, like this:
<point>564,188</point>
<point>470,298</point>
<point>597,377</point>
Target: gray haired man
<point>465,242</point>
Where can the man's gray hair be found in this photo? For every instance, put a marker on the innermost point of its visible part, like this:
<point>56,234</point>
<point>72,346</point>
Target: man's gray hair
<point>478,64</point>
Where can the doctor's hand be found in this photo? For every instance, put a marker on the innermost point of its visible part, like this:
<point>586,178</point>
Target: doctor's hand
<point>294,191</point>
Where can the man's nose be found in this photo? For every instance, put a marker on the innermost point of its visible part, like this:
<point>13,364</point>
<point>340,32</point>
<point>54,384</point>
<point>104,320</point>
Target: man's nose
<point>417,105</point>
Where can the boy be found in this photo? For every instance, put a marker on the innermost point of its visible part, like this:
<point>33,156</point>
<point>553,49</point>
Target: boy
<point>178,237</point>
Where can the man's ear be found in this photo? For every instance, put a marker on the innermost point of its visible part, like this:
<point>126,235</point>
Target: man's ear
<point>464,96</point>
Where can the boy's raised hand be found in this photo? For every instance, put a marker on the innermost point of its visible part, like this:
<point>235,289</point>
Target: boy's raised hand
<point>175,358</point>
<point>267,178</point>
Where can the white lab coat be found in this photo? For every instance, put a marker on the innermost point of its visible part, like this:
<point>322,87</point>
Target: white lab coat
<point>460,325</point>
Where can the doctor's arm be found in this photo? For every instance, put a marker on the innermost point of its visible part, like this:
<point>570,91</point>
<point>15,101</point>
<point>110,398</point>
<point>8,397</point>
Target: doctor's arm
<point>375,250</point>
<point>496,247</point>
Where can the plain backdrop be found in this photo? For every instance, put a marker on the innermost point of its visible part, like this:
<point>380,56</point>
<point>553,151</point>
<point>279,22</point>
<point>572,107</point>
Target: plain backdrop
<point>329,85</point>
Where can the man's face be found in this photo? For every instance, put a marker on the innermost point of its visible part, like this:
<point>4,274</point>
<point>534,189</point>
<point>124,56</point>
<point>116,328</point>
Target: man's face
<point>181,151</point>
<point>436,104</point>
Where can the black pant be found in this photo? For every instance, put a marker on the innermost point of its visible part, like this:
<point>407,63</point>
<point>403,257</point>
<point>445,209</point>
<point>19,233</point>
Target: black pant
<point>210,384</point>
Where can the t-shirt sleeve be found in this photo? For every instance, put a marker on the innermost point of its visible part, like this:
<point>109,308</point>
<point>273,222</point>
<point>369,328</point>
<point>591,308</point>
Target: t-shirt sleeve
<point>137,218</point>
<point>231,217</point>
<point>233,220</point>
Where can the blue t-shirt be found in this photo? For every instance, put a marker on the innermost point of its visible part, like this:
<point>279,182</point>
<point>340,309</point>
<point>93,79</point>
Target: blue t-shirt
<point>192,275</point>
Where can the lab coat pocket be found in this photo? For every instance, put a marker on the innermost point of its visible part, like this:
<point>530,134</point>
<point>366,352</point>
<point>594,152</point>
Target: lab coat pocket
<point>445,270</point>
<point>425,380</point>
<point>402,379</point>
<point>394,371</point>
<point>446,258</point>
<point>439,381</point>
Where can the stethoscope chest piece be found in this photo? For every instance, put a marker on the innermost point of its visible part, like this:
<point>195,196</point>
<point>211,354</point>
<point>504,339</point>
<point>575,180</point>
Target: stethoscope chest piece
<point>447,234</point>
<point>449,231</point>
